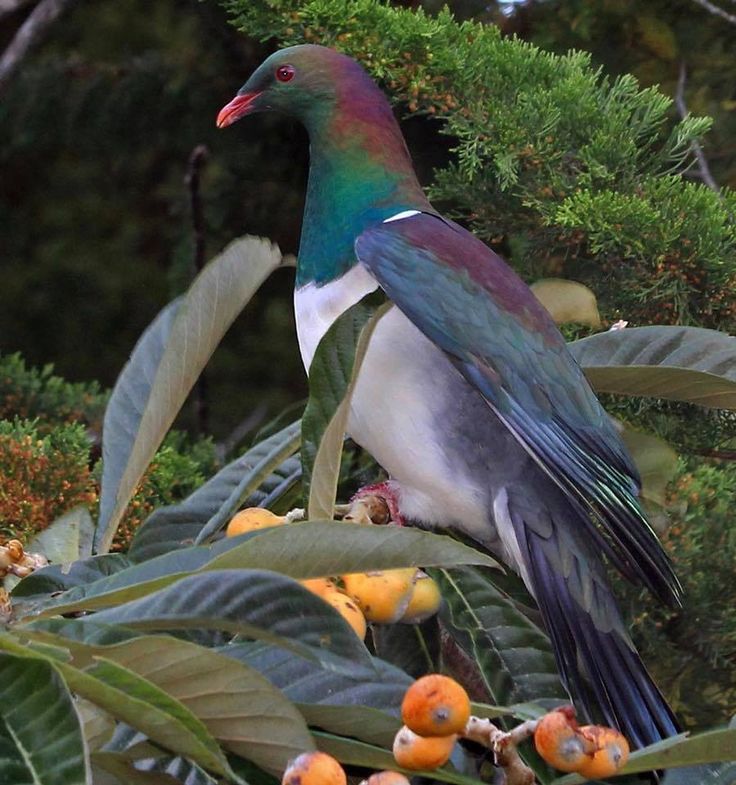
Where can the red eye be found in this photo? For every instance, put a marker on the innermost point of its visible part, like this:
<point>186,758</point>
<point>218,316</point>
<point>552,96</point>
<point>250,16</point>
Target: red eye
<point>285,73</point>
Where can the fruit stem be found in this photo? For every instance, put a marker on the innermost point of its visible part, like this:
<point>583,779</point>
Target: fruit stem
<point>504,744</point>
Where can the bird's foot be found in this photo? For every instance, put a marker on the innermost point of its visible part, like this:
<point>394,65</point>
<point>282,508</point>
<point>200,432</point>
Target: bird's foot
<point>378,503</point>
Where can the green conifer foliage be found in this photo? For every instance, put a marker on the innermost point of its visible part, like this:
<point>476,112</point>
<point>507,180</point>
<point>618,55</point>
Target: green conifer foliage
<point>573,173</point>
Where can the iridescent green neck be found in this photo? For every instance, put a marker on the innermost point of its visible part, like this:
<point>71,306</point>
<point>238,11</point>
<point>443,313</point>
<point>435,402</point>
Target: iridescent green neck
<point>360,174</point>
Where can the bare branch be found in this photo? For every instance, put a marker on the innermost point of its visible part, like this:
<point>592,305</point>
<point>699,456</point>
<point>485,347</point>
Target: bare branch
<point>703,168</point>
<point>197,161</point>
<point>28,35</point>
<point>714,9</point>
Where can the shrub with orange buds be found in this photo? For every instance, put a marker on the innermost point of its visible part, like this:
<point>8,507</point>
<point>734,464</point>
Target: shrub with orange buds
<point>435,705</point>
<point>314,768</point>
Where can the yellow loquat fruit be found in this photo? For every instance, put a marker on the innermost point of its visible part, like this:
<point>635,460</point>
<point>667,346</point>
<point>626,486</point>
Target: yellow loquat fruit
<point>349,610</point>
<point>383,596</point>
<point>319,586</point>
<point>435,705</point>
<point>425,600</point>
<point>251,519</point>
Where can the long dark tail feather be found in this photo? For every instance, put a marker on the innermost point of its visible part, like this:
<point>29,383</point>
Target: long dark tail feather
<point>600,667</point>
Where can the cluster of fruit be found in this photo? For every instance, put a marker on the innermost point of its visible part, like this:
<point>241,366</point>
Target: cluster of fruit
<point>383,597</point>
<point>436,712</point>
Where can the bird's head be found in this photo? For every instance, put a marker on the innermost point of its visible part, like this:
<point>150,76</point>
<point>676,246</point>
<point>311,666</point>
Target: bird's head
<point>302,81</point>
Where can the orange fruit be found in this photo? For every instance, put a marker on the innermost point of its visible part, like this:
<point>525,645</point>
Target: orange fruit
<point>425,600</point>
<point>383,596</point>
<point>252,518</point>
<point>414,752</point>
<point>319,586</point>
<point>314,768</point>
<point>610,755</point>
<point>386,778</point>
<point>559,741</point>
<point>435,705</point>
<point>349,610</point>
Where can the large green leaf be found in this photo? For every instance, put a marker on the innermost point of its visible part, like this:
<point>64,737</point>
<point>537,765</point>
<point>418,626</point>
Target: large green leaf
<point>415,648</point>
<point>60,578</point>
<point>41,740</point>
<point>710,747</point>
<point>164,366</point>
<point>175,526</point>
<point>112,768</point>
<point>513,655</point>
<point>314,548</point>
<point>301,550</point>
<point>140,703</point>
<point>172,527</point>
<point>680,363</point>
<point>332,377</point>
<point>255,603</point>
<point>66,539</point>
<point>238,706</point>
<point>252,480</point>
<point>117,577</point>
<point>366,708</point>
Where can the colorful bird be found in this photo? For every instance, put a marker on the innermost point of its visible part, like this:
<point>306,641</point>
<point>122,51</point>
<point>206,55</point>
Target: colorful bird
<point>467,396</point>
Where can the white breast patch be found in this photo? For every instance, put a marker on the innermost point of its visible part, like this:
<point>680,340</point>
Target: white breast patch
<point>317,307</point>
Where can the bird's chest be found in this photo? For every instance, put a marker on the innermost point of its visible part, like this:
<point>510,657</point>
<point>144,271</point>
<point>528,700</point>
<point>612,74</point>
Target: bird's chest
<point>317,307</point>
<point>405,408</point>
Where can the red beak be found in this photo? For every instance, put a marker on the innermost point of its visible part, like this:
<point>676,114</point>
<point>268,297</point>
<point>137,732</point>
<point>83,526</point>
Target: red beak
<point>237,108</point>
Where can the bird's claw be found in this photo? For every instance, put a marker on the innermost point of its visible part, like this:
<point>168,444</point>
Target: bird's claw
<point>375,504</point>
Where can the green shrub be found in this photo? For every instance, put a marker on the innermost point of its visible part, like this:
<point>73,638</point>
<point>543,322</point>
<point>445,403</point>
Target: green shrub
<point>693,650</point>
<point>37,394</point>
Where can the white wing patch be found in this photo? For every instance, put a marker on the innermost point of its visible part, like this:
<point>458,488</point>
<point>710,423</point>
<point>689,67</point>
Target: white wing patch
<point>401,215</point>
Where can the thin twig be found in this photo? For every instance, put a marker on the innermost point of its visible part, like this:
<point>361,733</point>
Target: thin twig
<point>714,9</point>
<point>704,169</point>
<point>28,35</point>
<point>197,160</point>
<point>240,431</point>
<point>721,455</point>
